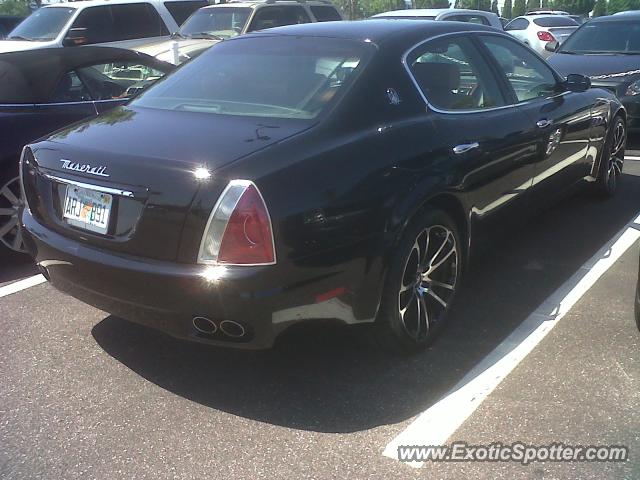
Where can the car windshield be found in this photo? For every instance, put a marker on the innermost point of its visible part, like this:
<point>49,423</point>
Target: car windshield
<point>555,21</point>
<point>42,25</point>
<point>604,37</point>
<point>263,76</point>
<point>223,22</point>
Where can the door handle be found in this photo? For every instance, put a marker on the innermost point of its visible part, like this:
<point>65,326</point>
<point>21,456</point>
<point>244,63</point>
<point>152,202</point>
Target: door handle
<point>544,123</point>
<point>465,147</point>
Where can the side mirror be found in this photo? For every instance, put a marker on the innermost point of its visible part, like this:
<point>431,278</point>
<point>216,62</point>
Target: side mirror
<point>577,83</point>
<point>75,37</point>
<point>552,46</point>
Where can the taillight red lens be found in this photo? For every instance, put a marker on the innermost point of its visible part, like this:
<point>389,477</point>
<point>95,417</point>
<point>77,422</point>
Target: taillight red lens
<point>546,37</point>
<point>248,239</point>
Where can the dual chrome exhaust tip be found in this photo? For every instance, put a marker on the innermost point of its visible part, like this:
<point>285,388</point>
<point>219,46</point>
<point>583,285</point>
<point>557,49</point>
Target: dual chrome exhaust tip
<point>227,327</point>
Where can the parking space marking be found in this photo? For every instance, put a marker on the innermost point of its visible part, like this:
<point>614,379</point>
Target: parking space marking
<point>628,157</point>
<point>21,285</point>
<point>439,422</point>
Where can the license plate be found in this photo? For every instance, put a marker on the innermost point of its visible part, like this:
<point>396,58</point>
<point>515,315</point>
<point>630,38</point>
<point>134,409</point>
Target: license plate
<point>87,209</point>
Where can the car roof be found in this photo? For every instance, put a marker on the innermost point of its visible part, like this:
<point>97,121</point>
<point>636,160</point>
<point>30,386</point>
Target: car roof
<point>30,76</point>
<point>255,3</point>
<point>616,16</point>
<point>374,30</point>
<point>428,12</point>
<point>95,3</point>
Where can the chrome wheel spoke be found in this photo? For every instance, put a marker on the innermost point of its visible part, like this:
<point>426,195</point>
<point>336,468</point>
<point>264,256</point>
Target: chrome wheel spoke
<point>423,325</point>
<point>433,268</point>
<point>9,195</point>
<point>436,297</point>
<point>7,227</point>
<point>8,212</point>
<point>435,283</point>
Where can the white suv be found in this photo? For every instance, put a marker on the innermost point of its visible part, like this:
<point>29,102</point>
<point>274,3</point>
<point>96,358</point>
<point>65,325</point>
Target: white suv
<point>214,23</point>
<point>120,22</point>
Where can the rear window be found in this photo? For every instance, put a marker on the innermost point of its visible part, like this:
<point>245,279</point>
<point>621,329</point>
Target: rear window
<point>325,14</point>
<point>180,11</point>
<point>278,77</point>
<point>555,21</point>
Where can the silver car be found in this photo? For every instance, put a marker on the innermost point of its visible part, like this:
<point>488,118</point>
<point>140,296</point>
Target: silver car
<point>446,14</point>
<point>539,30</point>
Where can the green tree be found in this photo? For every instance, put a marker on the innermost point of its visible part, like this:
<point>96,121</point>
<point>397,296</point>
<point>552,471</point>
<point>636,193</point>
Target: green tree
<point>532,5</point>
<point>476,4</point>
<point>576,7</point>
<point>506,9</point>
<point>616,6</point>
<point>519,8</point>
<point>494,7</point>
<point>14,7</point>
<point>600,9</point>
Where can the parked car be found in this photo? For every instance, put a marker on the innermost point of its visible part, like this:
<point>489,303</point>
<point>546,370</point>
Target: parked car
<point>44,90</point>
<point>537,31</point>
<point>607,49</point>
<point>446,14</point>
<point>210,25</point>
<point>122,23</point>
<point>579,19</point>
<point>342,171</point>
<point>8,23</point>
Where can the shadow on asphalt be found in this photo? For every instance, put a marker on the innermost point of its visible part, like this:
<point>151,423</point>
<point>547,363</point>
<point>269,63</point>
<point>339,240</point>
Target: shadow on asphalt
<point>14,266</point>
<point>332,380</point>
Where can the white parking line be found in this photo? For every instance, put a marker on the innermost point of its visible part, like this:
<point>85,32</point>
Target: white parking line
<point>21,285</point>
<point>629,157</point>
<point>440,421</point>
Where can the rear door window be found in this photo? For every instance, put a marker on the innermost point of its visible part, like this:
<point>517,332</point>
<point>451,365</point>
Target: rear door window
<point>70,89</point>
<point>325,13</point>
<point>180,11</point>
<point>517,24</point>
<point>98,25</point>
<point>453,75</point>
<point>137,20</point>
<point>277,16</point>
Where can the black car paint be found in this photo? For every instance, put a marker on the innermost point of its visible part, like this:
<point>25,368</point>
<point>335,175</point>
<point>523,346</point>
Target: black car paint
<point>340,192</point>
<point>21,123</point>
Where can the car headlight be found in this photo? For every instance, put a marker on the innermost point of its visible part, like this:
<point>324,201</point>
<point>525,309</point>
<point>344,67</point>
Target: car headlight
<point>633,89</point>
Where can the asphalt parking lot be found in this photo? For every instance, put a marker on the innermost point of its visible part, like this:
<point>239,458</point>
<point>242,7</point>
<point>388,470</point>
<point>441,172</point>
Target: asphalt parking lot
<point>87,395</point>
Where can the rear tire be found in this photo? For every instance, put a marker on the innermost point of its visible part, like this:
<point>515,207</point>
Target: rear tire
<point>612,159</point>
<point>10,202</point>
<point>421,284</point>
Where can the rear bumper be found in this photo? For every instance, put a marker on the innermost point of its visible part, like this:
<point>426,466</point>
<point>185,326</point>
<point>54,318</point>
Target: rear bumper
<point>167,296</point>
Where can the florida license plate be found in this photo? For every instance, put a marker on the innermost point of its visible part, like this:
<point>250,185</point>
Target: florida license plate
<point>87,209</point>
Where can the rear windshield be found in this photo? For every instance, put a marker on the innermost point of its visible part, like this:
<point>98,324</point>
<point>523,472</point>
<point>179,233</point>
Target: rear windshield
<point>42,25</point>
<point>222,22</point>
<point>555,21</point>
<point>263,76</point>
<point>604,37</point>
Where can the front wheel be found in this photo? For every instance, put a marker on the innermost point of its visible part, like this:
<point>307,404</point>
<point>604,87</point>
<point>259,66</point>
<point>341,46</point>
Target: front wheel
<point>612,158</point>
<point>10,203</point>
<point>422,282</point>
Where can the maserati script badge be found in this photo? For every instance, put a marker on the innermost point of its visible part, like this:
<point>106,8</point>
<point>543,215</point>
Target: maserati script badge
<point>83,168</point>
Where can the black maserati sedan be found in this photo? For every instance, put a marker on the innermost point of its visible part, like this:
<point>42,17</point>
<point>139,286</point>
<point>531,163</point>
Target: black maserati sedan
<point>607,49</point>
<point>44,90</point>
<point>336,171</point>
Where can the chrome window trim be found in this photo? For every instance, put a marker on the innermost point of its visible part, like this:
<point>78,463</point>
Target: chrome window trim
<point>429,106</point>
<point>89,186</point>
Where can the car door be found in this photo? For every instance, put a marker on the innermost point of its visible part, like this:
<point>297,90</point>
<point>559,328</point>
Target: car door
<point>484,138</point>
<point>559,119</point>
<point>518,28</point>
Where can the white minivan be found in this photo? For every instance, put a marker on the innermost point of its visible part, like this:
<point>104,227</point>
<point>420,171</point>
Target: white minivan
<point>123,23</point>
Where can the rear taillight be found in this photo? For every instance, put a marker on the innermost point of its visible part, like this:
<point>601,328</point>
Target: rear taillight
<point>546,37</point>
<point>239,229</point>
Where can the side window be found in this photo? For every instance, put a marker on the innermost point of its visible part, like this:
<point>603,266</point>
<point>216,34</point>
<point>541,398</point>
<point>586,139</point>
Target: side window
<point>70,89</point>
<point>269,17</point>
<point>453,75</point>
<point>98,24</point>
<point>517,24</point>
<point>529,76</point>
<point>137,20</point>
<point>180,11</point>
<point>110,81</point>
<point>325,13</point>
